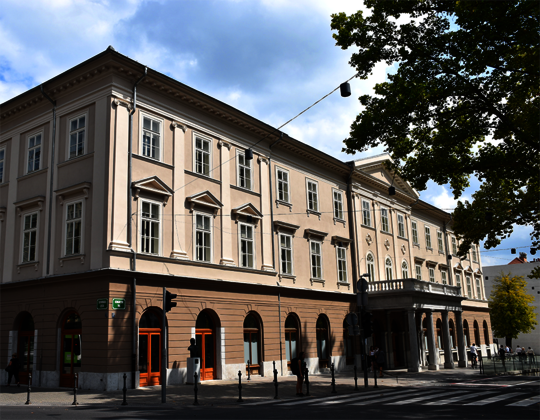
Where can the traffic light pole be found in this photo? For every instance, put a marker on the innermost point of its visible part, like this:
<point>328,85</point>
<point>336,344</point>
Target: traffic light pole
<point>164,350</point>
<point>361,303</point>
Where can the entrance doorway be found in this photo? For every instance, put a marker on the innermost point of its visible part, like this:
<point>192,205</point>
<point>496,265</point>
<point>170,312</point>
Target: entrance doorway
<point>25,346</point>
<point>292,329</point>
<point>205,337</point>
<point>71,349</point>
<point>322,328</point>
<point>149,349</point>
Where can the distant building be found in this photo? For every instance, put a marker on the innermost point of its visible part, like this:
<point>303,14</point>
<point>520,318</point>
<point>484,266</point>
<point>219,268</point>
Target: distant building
<point>518,267</point>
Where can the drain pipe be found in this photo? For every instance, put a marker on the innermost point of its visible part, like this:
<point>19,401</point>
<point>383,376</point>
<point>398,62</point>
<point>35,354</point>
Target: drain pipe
<point>49,232</point>
<point>352,229</point>
<point>130,233</point>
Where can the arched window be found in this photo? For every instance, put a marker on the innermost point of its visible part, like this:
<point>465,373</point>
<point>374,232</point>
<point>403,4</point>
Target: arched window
<point>71,348</point>
<point>440,343</point>
<point>466,333</point>
<point>370,266</point>
<point>388,265</point>
<point>452,334</point>
<point>150,348</point>
<point>323,350</point>
<point>252,343</point>
<point>348,344</point>
<point>404,270</point>
<point>205,336</point>
<point>486,334</point>
<point>292,333</point>
<point>476,333</point>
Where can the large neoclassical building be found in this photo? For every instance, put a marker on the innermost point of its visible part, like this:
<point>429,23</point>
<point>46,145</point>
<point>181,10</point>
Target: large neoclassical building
<point>117,181</point>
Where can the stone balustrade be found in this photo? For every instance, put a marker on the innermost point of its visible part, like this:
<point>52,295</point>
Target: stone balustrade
<point>413,285</point>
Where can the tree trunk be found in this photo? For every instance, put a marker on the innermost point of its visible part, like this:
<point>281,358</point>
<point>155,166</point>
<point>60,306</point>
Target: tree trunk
<point>509,342</point>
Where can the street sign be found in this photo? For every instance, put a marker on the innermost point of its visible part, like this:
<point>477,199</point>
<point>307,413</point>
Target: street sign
<point>119,303</point>
<point>102,304</point>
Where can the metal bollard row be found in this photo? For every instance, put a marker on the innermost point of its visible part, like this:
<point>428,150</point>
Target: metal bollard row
<point>306,379</point>
<point>240,386</point>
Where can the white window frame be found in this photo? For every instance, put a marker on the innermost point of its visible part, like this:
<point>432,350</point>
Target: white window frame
<point>431,273</point>
<point>440,243</point>
<point>469,287</point>
<point>385,220</point>
<point>418,271</point>
<point>310,193</point>
<point>474,253</point>
<point>404,269</point>
<point>478,288</point>
<point>458,282</point>
<point>31,230</point>
<point>401,225</point>
<point>453,240</point>
<point>370,266</point>
<point>337,199</point>
<point>283,194</point>
<point>414,228</point>
<point>251,240</point>
<point>2,164</point>
<point>366,213</point>
<point>34,148</point>
<point>318,256</point>
<point>389,268</point>
<point>159,205</point>
<point>197,136</point>
<point>211,232</point>
<point>142,116</point>
<point>77,131</point>
<point>246,167</point>
<point>290,251</point>
<point>427,231</point>
<point>67,221</point>
<point>341,261</point>
<point>444,277</point>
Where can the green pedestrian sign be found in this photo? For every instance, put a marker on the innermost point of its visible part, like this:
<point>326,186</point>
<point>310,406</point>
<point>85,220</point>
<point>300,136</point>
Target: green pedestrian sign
<point>119,303</point>
<point>102,304</point>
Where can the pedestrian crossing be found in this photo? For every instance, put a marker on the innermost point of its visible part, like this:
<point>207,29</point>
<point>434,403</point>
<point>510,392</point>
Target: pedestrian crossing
<point>418,396</point>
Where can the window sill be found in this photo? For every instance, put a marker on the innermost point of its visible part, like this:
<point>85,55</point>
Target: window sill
<point>246,190</point>
<point>216,181</point>
<point>416,245</point>
<point>317,281</point>
<point>386,232</point>
<point>75,159</point>
<point>31,174</point>
<point>283,203</point>
<point>338,220</point>
<point>28,264</point>
<point>344,283</point>
<point>72,258</point>
<point>316,213</point>
<point>367,226</point>
<point>429,248</point>
<point>288,276</point>
<point>154,161</point>
<point>402,237</point>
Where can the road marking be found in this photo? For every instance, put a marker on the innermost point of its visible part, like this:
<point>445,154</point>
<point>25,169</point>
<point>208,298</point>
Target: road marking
<point>414,400</point>
<point>268,402</point>
<point>460,398</point>
<point>310,401</point>
<point>526,402</point>
<point>531,382</point>
<point>379,400</point>
<point>365,397</point>
<point>496,398</point>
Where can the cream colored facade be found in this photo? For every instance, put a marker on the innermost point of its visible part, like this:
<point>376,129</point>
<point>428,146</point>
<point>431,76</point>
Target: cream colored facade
<point>281,238</point>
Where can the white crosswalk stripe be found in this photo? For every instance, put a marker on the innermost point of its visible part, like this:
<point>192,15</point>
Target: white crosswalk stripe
<point>422,398</point>
<point>459,398</point>
<point>496,398</point>
<point>366,397</point>
<point>380,400</point>
<point>526,402</point>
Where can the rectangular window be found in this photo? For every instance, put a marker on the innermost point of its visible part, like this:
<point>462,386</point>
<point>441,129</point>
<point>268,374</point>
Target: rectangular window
<point>244,171</point>
<point>202,156</point>
<point>151,138</point>
<point>338,205</point>
<point>458,282</point>
<point>283,185</point>
<point>342,264</point>
<point>454,246</point>
<point>313,195</point>
<point>203,238</point>
<point>469,287</point>
<point>30,231</point>
<point>431,274</point>
<point>285,252</point>
<point>77,134</point>
<point>474,254</point>
<point>2,160</point>
<point>34,153</point>
<point>443,277</point>
<point>384,220</point>
<point>316,260</point>
<point>401,225</point>
<point>73,228</point>
<point>428,237</point>
<point>414,232</point>
<point>440,241</point>
<point>418,269</point>
<point>247,246</point>
<point>478,289</point>
<point>366,213</point>
<point>150,227</point>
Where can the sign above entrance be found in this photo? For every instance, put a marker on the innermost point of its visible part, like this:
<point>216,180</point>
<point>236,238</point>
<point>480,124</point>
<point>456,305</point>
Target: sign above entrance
<point>119,303</point>
<point>102,304</point>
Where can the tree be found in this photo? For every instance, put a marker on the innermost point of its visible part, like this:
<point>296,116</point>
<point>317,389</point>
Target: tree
<point>464,101</point>
<point>509,307</point>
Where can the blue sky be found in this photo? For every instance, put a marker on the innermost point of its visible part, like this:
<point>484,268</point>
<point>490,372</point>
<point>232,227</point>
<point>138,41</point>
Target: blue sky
<point>268,58</point>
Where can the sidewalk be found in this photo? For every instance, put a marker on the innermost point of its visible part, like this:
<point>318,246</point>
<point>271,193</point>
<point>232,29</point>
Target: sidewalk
<point>220,392</point>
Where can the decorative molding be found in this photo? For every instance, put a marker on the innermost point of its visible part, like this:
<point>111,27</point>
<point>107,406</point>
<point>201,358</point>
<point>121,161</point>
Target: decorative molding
<point>317,281</point>
<point>247,210</point>
<point>316,213</point>
<point>387,244</point>
<point>223,143</point>
<point>2,214</point>
<point>262,159</point>
<point>309,233</point>
<point>152,185</point>
<point>72,258</point>
<point>117,102</point>
<point>337,239</point>
<point>176,124</point>
<point>81,188</point>
<point>204,199</point>
<point>280,226</point>
<point>284,203</point>
<point>34,264</point>
<point>369,239</point>
<point>403,249</point>
<point>30,203</point>
<point>288,277</point>
<point>344,283</point>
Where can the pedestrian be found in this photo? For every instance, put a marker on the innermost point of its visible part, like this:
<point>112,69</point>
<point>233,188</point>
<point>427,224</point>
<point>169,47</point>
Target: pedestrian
<point>502,354</point>
<point>530,353</point>
<point>296,369</point>
<point>523,354</point>
<point>371,358</point>
<point>507,350</point>
<point>474,355</point>
<point>381,361</point>
<point>12,369</point>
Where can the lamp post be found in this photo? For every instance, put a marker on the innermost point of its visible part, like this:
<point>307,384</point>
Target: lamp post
<point>361,304</point>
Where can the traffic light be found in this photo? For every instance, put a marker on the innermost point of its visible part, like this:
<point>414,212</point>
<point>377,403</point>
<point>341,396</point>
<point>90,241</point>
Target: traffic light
<point>367,323</point>
<point>169,304</point>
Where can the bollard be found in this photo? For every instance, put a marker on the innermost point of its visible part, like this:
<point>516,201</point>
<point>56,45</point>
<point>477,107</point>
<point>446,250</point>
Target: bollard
<point>75,390</point>
<point>375,377</point>
<point>29,389</point>
<point>240,386</point>
<point>306,378</point>
<point>275,380</point>
<point>249,377</point>
<point>124,402</point>
<point>195,389</point>
<point>355,379</point>
<point>333,379</point>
